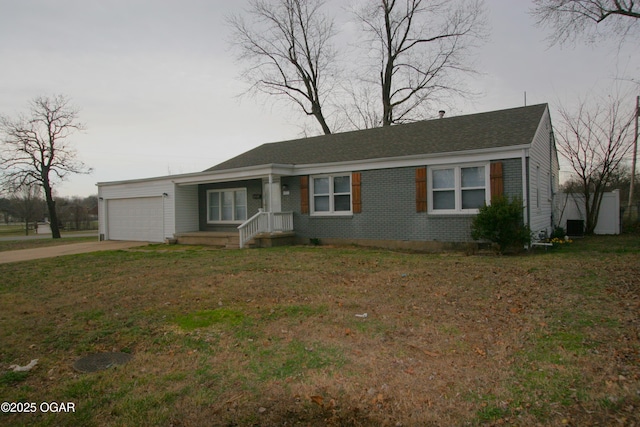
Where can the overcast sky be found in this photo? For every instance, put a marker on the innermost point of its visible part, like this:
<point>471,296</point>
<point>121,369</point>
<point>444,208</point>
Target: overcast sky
<point>157,85</point>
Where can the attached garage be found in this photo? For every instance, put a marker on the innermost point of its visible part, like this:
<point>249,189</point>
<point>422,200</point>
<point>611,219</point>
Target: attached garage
<point>147,210</point>
<point>139,218</point>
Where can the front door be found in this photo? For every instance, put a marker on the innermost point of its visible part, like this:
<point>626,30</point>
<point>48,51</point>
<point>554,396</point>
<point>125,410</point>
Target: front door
<point>272,200</point>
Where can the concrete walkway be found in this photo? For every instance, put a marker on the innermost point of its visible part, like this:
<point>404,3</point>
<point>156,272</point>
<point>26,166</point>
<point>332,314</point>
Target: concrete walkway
<point>70,249</point>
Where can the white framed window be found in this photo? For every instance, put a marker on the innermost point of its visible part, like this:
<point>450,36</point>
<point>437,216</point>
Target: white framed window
<point>458,189</point>
<point>227,206</point>
<point>331,194</point>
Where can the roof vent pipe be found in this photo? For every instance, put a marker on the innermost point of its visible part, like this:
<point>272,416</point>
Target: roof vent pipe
<point>441,113</point>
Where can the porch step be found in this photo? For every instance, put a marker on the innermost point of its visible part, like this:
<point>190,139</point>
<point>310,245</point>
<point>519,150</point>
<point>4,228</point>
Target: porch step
<point>217,239</point>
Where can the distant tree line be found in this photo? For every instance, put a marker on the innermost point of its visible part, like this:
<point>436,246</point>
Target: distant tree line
<point>619,180</point>
<point>29,208</point>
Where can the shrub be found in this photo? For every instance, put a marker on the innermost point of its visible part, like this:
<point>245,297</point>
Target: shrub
<point>502,222</point>
<point>558,233</point>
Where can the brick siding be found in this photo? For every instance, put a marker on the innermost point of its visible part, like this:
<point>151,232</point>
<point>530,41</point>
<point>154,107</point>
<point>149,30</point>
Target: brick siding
<point>389,210</point>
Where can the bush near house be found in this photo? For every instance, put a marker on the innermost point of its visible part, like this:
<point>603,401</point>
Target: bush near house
<point>502,222</point>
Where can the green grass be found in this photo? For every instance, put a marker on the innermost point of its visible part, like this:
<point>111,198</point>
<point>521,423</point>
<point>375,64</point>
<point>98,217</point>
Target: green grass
<point>13,230</point>
<point>295,312</point>
<point>491,413</point>
<point>205,318</point>
<point>12,378</point>
<point>271,337</point>
<point>280,360</point>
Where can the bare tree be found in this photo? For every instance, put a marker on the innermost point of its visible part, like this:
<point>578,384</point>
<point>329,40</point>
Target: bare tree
<point>28,205</point>
<point>286,47</point>
<point>420,48</point>
<point>358,107</point>
<point>35,149</point>
<point>570,20</point>
<point>594,139</point>
<point>5,209</point>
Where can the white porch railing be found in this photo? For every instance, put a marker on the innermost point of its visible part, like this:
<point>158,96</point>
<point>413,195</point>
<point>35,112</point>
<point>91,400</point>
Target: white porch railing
<point>265,222</point>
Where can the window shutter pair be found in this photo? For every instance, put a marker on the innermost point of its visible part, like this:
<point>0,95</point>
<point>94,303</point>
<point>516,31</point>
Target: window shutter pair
<point>356,198</point>
<point>496,176</point>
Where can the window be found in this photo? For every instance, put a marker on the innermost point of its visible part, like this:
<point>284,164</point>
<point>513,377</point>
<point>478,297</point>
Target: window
<point>331,194</point>
<point>444,189</point>
<point>456,189</point>
<point>227,205</point>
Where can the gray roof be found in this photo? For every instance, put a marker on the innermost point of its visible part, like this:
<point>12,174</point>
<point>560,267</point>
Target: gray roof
<point>504,128</point>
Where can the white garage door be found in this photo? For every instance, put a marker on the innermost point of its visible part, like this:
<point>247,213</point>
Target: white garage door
<point>135,219</point>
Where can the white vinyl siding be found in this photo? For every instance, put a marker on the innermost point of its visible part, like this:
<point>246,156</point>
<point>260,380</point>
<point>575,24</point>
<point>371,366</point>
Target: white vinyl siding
<point>161,189</point>
<point>539,184</point>
<point>186,208</point>
<point>542,167</point>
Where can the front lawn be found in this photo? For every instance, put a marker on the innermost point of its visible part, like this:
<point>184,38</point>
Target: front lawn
<point>327,336</point>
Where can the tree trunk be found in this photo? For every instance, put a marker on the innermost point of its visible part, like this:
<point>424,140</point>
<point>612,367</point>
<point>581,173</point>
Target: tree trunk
<point>386,75</point>
<point>51,207</point>
<point>592,203</point>
<point>55,227</point>
<point>387,110</point>
<point>317,113</point>
<point>592,218</point>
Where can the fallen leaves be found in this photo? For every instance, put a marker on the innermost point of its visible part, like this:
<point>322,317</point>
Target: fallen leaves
<point>452,328</point>
<point>318,400</point>
<point>480,352</point>
<point>426,352</point>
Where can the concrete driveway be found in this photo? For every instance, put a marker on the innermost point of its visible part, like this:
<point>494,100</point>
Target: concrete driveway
<point>71,249</point>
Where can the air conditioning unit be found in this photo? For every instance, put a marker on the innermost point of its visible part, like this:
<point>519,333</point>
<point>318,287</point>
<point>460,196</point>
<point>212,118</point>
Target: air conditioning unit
<point>575,227</point>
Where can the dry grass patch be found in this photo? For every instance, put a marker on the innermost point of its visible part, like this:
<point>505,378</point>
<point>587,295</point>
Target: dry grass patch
<point>271,337</point>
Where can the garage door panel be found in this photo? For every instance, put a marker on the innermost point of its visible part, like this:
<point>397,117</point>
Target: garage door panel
<point>135,219</point>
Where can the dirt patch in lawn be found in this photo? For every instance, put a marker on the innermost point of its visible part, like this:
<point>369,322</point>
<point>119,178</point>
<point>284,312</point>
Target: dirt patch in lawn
<point>280,337</point>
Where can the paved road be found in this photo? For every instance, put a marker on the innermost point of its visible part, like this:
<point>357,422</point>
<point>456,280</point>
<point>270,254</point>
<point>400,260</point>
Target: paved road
<point>71,249</point>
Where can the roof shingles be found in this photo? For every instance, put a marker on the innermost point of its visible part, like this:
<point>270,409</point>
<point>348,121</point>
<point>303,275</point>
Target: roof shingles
<point>516,126</point>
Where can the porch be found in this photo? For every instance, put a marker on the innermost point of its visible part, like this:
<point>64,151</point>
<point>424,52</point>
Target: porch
<point>228,240</point>
<point>264,229</point>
